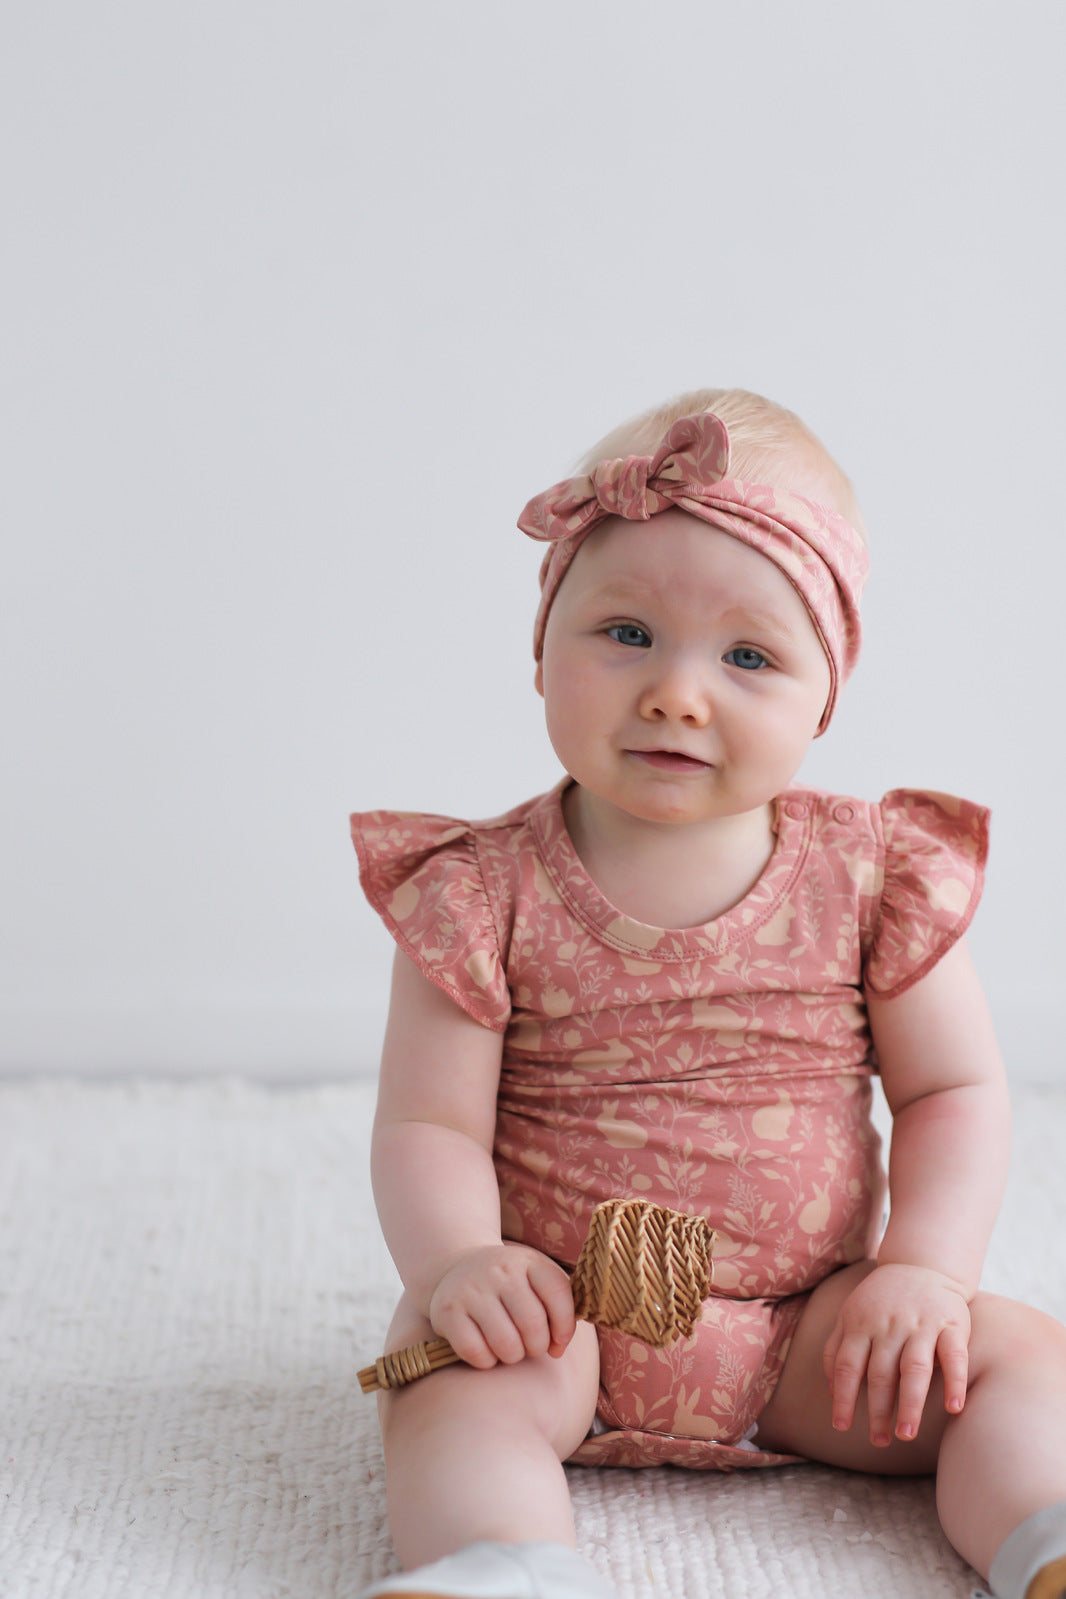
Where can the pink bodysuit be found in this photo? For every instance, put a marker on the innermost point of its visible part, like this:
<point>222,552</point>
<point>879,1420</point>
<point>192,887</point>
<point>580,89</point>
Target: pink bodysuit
<point>721,1070</point>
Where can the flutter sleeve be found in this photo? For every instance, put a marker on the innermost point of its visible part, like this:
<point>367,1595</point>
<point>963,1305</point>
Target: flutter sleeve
<point>423,877</point>
<point>934,863</point>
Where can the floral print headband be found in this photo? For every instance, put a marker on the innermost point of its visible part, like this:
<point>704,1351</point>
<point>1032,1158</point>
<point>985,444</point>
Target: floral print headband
<point>819,552</point>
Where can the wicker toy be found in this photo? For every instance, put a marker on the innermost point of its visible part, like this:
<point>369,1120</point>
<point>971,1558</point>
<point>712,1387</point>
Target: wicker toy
<point>643,1270</point>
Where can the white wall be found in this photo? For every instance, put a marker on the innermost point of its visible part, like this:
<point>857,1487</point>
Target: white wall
<point>301,302</point>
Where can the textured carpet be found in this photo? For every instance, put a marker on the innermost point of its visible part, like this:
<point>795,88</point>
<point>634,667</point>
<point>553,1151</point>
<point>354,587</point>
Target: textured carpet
<point>190,1276</point>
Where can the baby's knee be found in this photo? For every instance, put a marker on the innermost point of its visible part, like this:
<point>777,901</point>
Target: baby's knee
<point>554,1397</point>
<point>1006,1332</point>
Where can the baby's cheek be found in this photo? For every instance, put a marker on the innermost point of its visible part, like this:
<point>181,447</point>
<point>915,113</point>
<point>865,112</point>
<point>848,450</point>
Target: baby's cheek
<point>572,711</point>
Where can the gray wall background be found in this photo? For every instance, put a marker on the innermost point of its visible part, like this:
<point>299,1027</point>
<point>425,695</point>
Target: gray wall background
<point>302,302</point>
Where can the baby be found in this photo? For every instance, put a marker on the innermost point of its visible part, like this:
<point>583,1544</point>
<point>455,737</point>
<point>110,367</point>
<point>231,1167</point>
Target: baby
<point>671,978</point>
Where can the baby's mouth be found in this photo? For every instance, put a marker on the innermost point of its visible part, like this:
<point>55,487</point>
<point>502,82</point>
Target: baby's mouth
<point>671,760</point>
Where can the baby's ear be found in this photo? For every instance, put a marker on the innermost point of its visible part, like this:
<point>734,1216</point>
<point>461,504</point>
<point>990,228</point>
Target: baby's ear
<point>538,679</point>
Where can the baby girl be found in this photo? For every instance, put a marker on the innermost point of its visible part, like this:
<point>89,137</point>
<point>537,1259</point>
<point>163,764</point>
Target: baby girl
<point>671,978</point>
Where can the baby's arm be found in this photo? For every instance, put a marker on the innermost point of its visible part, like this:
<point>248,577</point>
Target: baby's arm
<point>946,1088</point>
<point>435,1184</point>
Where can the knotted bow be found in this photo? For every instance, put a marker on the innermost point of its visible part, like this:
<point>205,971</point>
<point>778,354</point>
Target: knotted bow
<point>693,456</point>
<point>819,552</point>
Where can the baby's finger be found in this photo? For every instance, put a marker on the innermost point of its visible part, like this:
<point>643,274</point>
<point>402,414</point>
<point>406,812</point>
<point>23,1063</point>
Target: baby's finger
<point>497,1327</point>
<point>468,1341</point>
<point>882,1386</point>
<point>953,1355</point>
<point>915,1375</point>
<point>529,1317</point>
<point>849,1369</point>
<point>553,1288</point>
<point>829,1353</point>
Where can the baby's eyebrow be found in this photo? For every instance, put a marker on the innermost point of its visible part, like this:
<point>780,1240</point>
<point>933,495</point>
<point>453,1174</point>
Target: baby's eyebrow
<point>761,621</point>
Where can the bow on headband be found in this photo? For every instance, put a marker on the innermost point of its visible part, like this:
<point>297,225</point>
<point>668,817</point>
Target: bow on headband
<point>819,552</point>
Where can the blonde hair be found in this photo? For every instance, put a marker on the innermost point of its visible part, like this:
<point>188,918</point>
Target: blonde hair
<point>767,444</point>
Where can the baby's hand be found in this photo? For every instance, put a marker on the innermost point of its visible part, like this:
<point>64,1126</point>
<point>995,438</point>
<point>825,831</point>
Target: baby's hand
<point>890,1330</point>
<point>502,1303</point>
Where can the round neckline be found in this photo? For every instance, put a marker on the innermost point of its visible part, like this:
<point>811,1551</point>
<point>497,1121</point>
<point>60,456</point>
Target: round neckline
<point>640,940</point>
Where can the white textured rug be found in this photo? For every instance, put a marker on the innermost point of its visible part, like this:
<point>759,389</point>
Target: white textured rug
<point>190,1276</point>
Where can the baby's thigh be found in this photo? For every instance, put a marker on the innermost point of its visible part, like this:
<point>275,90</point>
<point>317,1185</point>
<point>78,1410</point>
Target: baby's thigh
<point>799,1416</point>
<point>555,1396</point>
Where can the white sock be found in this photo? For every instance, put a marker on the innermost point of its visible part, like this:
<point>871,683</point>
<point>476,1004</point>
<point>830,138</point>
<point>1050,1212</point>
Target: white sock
<point>1040,1539</point>
<point>501,1571</point>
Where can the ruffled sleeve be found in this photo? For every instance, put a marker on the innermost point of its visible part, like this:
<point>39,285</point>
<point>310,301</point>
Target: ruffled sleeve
<point>935,852</point>
<point>423,877</point>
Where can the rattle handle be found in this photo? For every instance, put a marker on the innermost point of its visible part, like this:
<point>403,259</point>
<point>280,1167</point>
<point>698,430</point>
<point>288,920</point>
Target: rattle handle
<point>407,1365</point>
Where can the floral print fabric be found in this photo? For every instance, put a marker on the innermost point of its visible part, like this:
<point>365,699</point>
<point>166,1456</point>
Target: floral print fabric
<point>722,1070</point>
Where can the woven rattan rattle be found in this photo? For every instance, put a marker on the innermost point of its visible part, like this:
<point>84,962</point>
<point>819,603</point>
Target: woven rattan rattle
<point>643,1270</point>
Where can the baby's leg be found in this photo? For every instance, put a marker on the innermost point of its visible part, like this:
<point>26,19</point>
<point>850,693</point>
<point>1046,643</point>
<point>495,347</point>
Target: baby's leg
<point>1003,1458</point>
<point>476,1455</point>
<point>996,1464</point>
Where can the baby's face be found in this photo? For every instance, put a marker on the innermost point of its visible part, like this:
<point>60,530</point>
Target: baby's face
<point>682,675</point>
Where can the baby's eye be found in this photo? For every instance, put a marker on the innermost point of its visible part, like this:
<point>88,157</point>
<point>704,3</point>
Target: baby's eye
<point>749,660</point>
<point>630,633</point>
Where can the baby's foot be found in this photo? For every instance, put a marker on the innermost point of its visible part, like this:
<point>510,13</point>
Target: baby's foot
<point>1031,1562</point>
<point>498,1571</point>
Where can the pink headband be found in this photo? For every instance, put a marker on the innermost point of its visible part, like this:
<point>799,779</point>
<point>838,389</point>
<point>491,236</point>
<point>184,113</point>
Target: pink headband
<point>819,552</point>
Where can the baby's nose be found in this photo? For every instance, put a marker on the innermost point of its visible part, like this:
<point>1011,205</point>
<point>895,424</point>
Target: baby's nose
<point>679,693</point>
